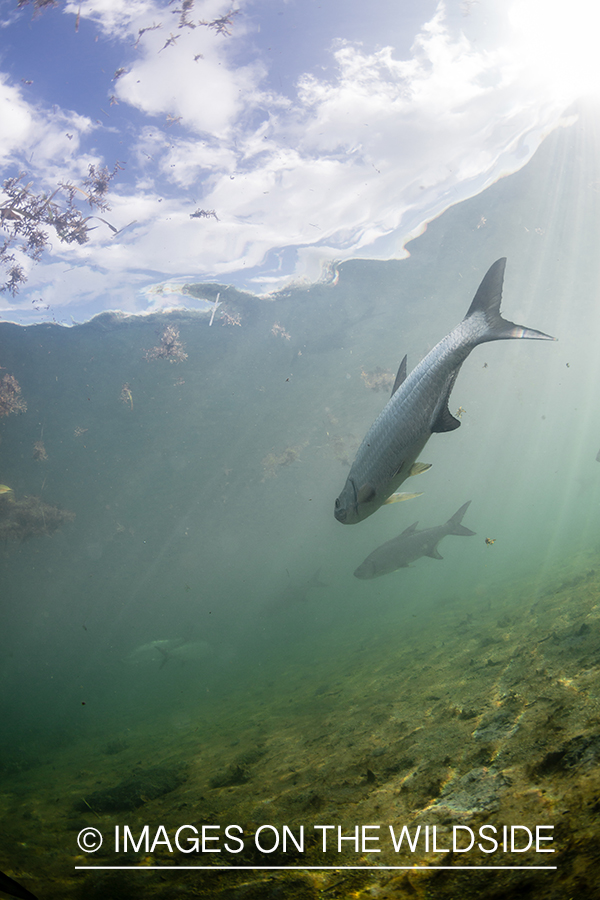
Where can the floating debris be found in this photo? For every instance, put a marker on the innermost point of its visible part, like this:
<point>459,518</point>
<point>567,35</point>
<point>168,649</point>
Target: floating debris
<point>228,319</point>
<point>204,214</point>
<point>39,451</point>
<point>273,461</point>
<point>170,347</point>
<point>28,517</point>
<point>126,396</point>
<point>378,379</point>
<point>10,396</point>
<point>278,329</point>
<point>212,318</point>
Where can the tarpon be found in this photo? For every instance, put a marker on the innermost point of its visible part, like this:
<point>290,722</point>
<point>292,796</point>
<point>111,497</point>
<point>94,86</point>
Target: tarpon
<point>411,545</point>
<point>164,650</point>
<point>418,406</point>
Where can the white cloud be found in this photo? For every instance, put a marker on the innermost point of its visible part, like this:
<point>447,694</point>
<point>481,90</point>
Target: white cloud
<point>114,17</point>
<point>16,117</point>
<point>361,157</point>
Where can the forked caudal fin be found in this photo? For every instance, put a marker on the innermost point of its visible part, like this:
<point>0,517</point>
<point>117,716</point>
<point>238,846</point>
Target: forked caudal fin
<point>486,304</point>
<point>454,523</point>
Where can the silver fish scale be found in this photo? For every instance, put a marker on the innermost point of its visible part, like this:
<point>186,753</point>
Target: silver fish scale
<point>398,435</point>
<point>385,444</point>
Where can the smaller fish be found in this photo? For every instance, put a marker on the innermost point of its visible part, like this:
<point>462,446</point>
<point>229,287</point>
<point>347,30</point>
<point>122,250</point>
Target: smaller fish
<point>5,489</point>
<point>14,889</point>
<point>410,546</point>
<point>598,456</point>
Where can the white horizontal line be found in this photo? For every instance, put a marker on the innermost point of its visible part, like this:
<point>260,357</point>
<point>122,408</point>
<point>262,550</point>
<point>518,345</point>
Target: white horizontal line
<point>310,868</point>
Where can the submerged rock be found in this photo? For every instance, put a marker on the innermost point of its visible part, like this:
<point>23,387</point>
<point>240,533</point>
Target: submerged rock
<point>145,785</point>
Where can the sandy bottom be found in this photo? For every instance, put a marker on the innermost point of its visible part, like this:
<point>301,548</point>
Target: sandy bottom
<point>490,717</point>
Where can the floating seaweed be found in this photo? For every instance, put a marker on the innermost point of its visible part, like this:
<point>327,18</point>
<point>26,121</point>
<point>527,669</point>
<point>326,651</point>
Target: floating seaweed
<point>39,451</point>
<point>126,396</point>
<point>170,347</point>
<point>279,330</point>
<point>273,461</point>
<point>28,517</point>
<point>378,379</point>
<point>10,396</point>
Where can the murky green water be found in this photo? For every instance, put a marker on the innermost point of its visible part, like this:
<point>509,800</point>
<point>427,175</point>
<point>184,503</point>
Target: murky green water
<point>200,613</point>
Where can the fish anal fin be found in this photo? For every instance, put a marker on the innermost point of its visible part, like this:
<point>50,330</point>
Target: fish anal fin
<point>418,468</point>
<point>444,421</point>
<point>365,493</point>
<point>434,554</point>
<point>400,377</point>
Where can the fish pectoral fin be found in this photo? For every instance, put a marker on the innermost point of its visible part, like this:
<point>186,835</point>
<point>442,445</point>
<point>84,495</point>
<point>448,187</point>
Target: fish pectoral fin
<point>399,496</point>
<point>418,468</point>
<point>444,421</point>
<point>434,554</point>
<point>365,493</point>
<point>400,377</point>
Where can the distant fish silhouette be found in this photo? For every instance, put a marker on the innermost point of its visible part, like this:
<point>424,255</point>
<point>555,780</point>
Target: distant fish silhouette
<point>598,456</point>
<point>410,546</point>
<point>14,889</point>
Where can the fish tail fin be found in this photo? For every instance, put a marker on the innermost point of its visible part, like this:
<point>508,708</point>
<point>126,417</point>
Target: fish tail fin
<point>485,309</point>
<point>166,656</point>
<point>454,523</point>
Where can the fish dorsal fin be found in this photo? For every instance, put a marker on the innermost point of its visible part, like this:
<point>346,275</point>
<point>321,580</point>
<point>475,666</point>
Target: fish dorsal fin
<point>400,377</point>
<point>411,528</point>
<point>434,554</point>
<point>418,468</point>
<point>444,420</point>
<point>365,493</point>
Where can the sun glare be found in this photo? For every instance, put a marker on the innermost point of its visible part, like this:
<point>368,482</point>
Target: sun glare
<point>557,45</point>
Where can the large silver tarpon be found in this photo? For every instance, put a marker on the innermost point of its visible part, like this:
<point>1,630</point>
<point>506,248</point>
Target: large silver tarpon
<point>418,406</point>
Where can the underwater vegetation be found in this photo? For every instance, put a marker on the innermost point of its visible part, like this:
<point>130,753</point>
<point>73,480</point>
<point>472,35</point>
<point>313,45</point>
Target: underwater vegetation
<point>272,462</point>
<point>379,379</point>
<point>28,517</point>
<point>10,396</point>
<point>169,347</point>
<point>39,451</point>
